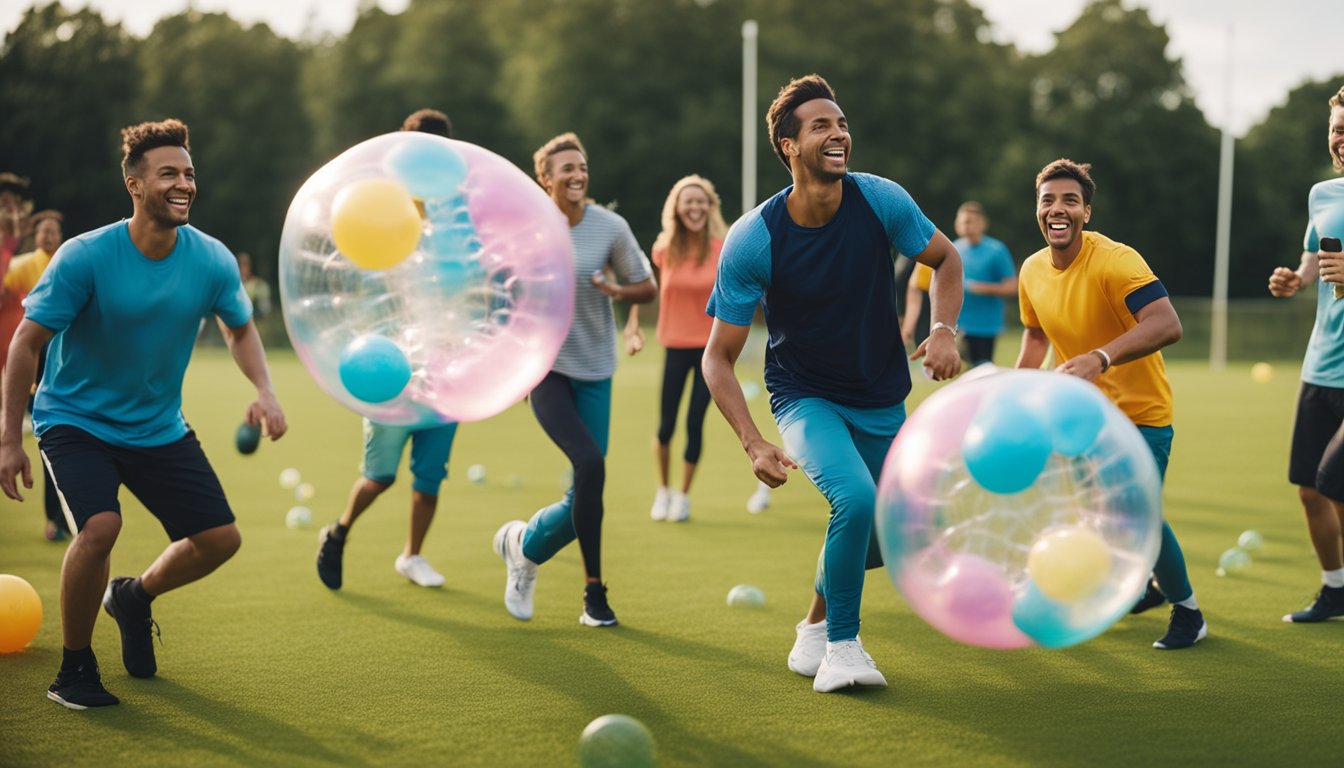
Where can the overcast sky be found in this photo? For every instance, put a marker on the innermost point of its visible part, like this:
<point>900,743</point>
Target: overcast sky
<point>1275,44</point>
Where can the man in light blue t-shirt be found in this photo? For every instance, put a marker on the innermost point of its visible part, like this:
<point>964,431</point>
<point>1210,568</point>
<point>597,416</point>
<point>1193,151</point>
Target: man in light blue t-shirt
<point>1316,460</point>
<point>990,281</point>
<point>121,306</point>
<point>817,256</point>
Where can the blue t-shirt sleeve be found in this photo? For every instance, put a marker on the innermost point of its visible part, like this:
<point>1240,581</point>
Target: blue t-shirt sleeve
<point>908,229</point>
<point>63,290</point>
<point>744,271</point>
<point>1311,241</point>
<point>231,302</point>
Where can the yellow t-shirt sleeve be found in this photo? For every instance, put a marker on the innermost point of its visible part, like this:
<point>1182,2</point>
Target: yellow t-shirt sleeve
<point>923,276</point>
<point>1126,272</point>
<point>23,274</point>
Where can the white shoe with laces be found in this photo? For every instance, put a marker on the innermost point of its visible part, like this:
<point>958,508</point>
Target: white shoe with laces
<point>661,500</point>
<point>418,570</point>
<point>679,509</point>
<point>809,648</point>
<point>760,500</point>
<point>846,664</point>
<point>521,583</point>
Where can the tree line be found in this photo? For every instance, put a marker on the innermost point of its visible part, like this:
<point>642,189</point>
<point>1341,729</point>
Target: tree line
<point>653,87</point>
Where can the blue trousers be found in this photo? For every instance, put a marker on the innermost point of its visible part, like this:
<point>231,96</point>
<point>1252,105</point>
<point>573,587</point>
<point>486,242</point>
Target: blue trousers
<point>1170,570</point>
<point>841,450</point>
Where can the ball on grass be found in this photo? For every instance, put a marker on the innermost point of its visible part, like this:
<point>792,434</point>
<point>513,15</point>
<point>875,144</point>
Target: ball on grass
<point>20,613</point>
<point>290,479</point>
<point>304,491</point>
<point>616,741</point>
<point>1233,560</point>
<point>298,517</point>
<point>1262,373</point>
<point>1250,540</point>
<point>746,596</point>
<point>476,473</point>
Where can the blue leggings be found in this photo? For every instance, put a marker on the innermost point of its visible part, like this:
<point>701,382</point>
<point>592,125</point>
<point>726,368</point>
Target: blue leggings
<point>576,415</point>
<point>841,450</point>
<point>1170,570</point>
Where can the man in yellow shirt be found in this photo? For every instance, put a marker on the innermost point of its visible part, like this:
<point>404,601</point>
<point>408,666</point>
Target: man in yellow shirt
<point>23,273</point>
<point>1105,313</point>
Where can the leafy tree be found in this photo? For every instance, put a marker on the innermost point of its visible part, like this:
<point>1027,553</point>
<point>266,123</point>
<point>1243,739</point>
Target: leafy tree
<point>1277,163</point>
<point>66,92</point>
<point>238,90</point>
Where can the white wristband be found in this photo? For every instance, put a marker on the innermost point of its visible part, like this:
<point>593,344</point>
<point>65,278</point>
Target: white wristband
<point>1105,359</point>
<point>944,326</point>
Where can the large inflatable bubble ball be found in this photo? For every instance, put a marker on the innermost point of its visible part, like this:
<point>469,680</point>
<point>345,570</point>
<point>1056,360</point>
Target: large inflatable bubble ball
<point>425,280</point>
<point>1019,509</point>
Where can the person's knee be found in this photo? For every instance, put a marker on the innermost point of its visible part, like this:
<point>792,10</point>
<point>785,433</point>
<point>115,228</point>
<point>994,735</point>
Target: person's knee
<point>376,487</point>
<point>100,532</point>
<point>590,469</point>
<point>219,544</point>
<point>857,502</point>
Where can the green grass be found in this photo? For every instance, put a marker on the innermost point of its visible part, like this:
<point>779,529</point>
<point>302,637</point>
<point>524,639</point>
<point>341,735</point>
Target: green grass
<point>261,665</point>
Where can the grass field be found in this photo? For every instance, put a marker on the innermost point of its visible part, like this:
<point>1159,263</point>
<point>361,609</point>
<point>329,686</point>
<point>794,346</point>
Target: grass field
<point>261,665</point>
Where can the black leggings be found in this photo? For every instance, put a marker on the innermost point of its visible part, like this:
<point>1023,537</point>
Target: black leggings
<point>679,363</point>
<point>557,410</point>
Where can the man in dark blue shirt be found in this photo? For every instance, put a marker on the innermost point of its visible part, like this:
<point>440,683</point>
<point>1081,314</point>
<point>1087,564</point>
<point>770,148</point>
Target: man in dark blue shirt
<point>818,257</point>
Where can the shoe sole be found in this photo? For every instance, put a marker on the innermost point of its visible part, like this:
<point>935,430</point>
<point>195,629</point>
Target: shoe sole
<point>56,697</point>
<point>589,621</point>
<point>1288,618</point>
<point>109,601</point>
<point>821,685</point>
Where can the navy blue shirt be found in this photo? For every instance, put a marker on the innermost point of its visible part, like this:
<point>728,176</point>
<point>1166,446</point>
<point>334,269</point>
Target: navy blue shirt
<point>829,293</point>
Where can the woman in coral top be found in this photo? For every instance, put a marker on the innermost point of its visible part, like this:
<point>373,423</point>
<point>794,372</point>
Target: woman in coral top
<point>686,254</point>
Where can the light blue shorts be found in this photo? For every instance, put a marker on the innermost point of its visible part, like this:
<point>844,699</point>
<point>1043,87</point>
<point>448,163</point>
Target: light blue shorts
<point>430,448</point>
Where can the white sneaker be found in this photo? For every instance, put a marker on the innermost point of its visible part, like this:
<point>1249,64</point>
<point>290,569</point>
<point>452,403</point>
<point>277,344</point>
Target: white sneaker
<point>847,664</point>
<point>661,500</point>
<point>760,500</point>
<point>522,580</point>
<point>679,510</point>
<point>809,648</point>
<point>418,570</point>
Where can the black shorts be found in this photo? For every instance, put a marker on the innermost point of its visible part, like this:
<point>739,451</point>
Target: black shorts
<point>1317,458</point>
<point>175,482</point>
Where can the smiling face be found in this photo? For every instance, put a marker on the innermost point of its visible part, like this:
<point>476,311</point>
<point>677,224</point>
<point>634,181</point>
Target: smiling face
<point>1061,213</point>
<point>165,186</point>
<point>567,178</point>
<point>693,209</point>
<point>822,146</point>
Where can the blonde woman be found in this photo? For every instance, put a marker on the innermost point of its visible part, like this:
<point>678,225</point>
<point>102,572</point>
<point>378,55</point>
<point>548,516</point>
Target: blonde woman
<point>686,254</point>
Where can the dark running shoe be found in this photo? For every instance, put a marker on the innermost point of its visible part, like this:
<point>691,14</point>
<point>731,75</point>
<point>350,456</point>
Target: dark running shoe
<point>1329,604</point>
<point>330,550</point>
<point>1187,627</point>
<point>1152,597</point>
<point>81,688</point>
<point>138,628</point>
<point>596,612</point>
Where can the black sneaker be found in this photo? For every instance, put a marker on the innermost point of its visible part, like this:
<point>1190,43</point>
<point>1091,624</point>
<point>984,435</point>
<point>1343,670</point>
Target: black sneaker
<point>1329,604</point>
<point>596,612</point>
<point>330,550</point>
<point>1152,597</point>
<point>1187,627</point>
<point>138,629</point>
<point>81,688</point>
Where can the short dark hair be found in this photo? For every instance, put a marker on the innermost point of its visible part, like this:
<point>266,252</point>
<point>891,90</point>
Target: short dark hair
<point>136,140</point>
<point>1064,168</point>
<point>429,121</point>
<point>541,159</point>
<point>15,183</point>
<point>41,216</point>
<point>780,120</point>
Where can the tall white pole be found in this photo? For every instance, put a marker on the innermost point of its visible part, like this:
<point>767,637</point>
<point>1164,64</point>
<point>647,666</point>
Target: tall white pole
<point>750,31</point>
<point>1218,324</point>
